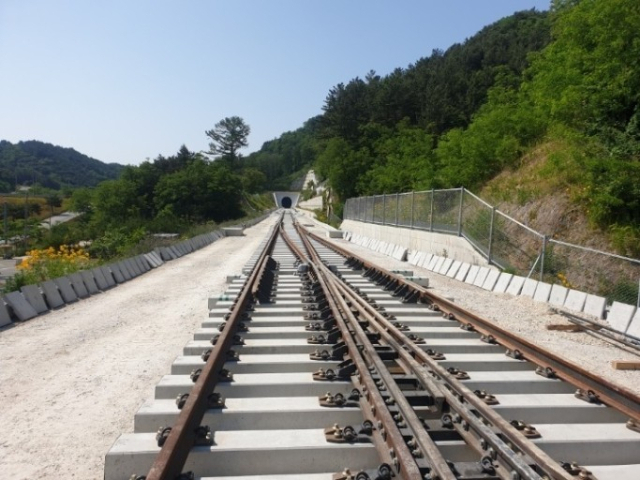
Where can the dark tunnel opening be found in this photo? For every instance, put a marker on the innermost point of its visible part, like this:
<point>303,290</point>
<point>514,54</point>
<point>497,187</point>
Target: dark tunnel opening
<point>285,202</point>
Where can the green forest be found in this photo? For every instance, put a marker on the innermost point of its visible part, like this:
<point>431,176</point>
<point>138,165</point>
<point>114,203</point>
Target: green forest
<point>567,80</point>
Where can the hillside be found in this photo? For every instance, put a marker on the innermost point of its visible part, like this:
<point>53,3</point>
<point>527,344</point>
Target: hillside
<point>51,166</point>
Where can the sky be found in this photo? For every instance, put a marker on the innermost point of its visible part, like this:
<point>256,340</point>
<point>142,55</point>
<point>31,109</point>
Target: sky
<point>127,80</point>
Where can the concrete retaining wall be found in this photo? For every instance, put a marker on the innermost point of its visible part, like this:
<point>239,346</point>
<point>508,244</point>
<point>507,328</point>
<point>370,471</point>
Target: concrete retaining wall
<point>449,246</point>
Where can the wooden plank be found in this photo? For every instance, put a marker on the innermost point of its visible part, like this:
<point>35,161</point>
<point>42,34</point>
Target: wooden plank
<point>562,327</point>
<point>625,365</point>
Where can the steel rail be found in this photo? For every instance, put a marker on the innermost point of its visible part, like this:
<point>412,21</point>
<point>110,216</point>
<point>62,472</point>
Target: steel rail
<point>402,343</point>
<point>438,464</point>
<point>174,452</point>
<point>407,466</point>
<point>617,397</point>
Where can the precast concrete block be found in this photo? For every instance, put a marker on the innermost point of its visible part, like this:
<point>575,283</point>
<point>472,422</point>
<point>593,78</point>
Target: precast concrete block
<point>595,305</point>
<point>20,307</point>
<point>634,325</point>
<point>481,276</point>
<point>418,257</point>
<point>575,300</point>
<point>143,262</point>
<point>515,285</point>
<point>433,262</point>
<point>425,260</point>
<point>335,233</point>
<point>400,254</point>
<point>503,282</point>
<point>558,295</point>
<point>389,250</point>
<point>117,273</point>
<point>78,285</point>
<point>153,263</point>
<point>381,247</point>
<point>164,254</point>
<point>491,280</point>
<point>89,282</point>
<point>174,250</point>
<point>34,296</point>
<point>620,316</point>
<point>157,257</point>
<point>446,265</point>
<point>529,288</point>
<point>453,269</point>
<point>233,231</point>
<point>410,256</point>
<point>438,265</point>
<point>463,271</point>
<point>5,318</point>
<point>542,293</point>
<point>127,273</point>
<point>473,273</point>
<point>52,294</point>
<point>134,268</point>
<point>100,279</point>
<point>66,289</point>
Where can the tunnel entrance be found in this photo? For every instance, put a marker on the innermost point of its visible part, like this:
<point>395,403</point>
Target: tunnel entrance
<point>285,202</point>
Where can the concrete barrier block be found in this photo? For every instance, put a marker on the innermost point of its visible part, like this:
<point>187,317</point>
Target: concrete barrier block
<point>425,260</point>
<point>176,252</point>
<point>453,269</point>
<point>20,307</point>
<point>595,305</point>
<point>89,282</point>
<point>575,300</point>
<point>491,280</point>
<point>100,279</point>
<point>543,291</point>
<point>463,271</point>
<point>335,233</point>
<point>634,326</point>
<point>558,295</point>
<point>134,269</point>
<point>153,263</point>
<point>503,282</point>
<point>481,276</point>
<point>33,295</point>
<point>233,231</point>
<point>418,257</point>
<point>620,315</point>
<point>66,289</point>
<point>381,247</point>
<point>78,285</point>
<point>446,265</point>
<point>126,270</point>
<point>389,250</point>
<point>116,272</point>
<point>5,318</point>
<point>142,263</point>
<point>529,288</point>
<point>515,285</point>
<point>422,281</point>
<point>473,273</point>
<point>433,262</point>
<point>157,257</point>
<point>52,294</point>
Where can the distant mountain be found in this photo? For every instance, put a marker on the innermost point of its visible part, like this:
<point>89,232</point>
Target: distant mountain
<point>51,166</point>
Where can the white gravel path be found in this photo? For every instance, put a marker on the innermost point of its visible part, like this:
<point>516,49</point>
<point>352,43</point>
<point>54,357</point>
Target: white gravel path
<point>71,381</point>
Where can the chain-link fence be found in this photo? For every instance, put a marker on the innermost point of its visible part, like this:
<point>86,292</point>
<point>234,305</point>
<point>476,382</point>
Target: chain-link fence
<point>504,241</point>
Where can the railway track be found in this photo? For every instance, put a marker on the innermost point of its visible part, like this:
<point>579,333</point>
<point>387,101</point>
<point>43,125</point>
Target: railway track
<point>321,367</point>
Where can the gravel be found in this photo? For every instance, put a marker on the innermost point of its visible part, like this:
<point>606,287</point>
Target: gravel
<point>72,380</point>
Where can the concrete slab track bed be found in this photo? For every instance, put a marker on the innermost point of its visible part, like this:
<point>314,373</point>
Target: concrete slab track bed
<point>313,321</point>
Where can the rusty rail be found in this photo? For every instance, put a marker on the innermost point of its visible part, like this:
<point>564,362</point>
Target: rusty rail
<point>175,450</point>
<point>609,393</point>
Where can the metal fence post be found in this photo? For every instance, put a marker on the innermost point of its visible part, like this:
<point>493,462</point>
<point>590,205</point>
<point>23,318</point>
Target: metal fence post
<point>431,213</point>
<point>460,212</point>
<point>493,215</point>
<point>413,201</point>
<point>384,208</point>
<point>397,207</point>
<point>542,255</point>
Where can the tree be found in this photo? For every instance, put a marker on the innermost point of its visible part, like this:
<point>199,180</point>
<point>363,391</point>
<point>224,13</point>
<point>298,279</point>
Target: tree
<point>229,135</point>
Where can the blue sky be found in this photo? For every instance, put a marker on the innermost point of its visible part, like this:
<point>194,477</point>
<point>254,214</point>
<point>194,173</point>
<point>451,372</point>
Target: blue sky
<point>123,81</point>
